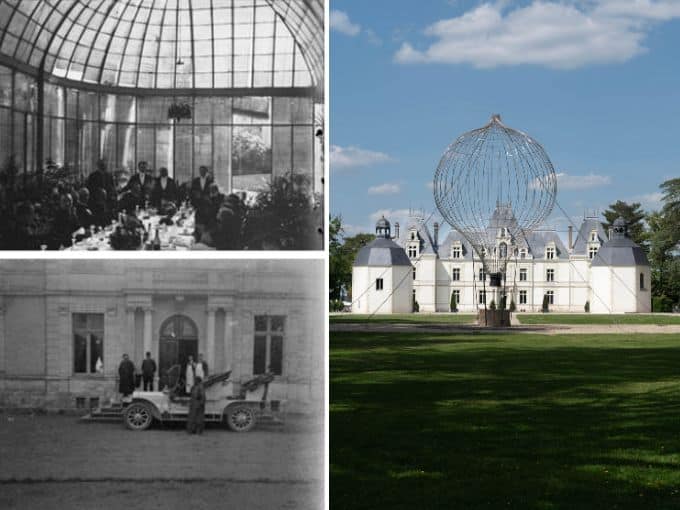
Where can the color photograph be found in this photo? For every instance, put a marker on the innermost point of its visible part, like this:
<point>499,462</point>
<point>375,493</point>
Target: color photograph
<point>504,254</point>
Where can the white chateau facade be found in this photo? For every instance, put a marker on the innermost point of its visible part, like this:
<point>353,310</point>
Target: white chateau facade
<point>607,271</point>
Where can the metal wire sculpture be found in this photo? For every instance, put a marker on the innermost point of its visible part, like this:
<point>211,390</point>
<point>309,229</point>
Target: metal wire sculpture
<point>495,185</point>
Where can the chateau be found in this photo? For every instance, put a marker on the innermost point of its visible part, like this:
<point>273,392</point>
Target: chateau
<point>605,272</point>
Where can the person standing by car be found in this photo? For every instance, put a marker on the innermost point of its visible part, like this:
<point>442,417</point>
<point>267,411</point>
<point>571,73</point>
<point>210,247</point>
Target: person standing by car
<point>201,367</point>
<point>196,418</point>
<point>126,377</point>
<point>148,372</point>
<point>189,374</point>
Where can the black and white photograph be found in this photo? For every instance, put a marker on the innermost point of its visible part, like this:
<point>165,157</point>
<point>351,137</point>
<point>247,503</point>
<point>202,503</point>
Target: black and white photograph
<point>162,125</point>
<point>162,384</point>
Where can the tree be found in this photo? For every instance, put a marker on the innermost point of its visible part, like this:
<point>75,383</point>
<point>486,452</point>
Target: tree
<point>545,307</point>
<point>633,216</point>
<point>452,304</point>
<point>336,260</point>
<point>341,253</point>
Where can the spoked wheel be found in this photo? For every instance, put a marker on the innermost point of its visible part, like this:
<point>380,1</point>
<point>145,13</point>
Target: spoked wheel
<point>240,418</point>
<point>138,416</point>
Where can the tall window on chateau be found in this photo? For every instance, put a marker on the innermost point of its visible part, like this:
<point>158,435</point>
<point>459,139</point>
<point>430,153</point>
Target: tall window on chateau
<point>455,274</point>
<point>456,296</point>
<point>482,275</point>
<point>522,297</point>
<point>379,284</point>
<point>523,274</point>
<point>88,343</point>
<point>642,281</point>
<point>268,347</point>
<point>549,275</point>
<point>550,253</point>
<point>592,251</point>
<point>551,297</point>
<point>482,297</point>
<point>456,252</point>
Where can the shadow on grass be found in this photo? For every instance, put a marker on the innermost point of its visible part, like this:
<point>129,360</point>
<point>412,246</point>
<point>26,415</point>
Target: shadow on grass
<point>504,421</point>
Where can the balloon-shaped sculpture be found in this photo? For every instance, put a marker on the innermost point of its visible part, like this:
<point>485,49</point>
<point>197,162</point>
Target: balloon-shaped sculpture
<point>495,185</point>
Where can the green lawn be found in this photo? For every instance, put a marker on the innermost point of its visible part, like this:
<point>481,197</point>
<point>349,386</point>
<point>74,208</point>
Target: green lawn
<point>448,421</point>
<point>405,318</point>
<point>588,318</point>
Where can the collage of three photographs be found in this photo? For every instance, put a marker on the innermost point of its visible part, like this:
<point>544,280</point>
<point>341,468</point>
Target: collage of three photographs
<point>339,254</point>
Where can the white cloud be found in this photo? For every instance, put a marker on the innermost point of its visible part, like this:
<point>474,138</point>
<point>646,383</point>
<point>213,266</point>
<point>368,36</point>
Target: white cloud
<point>384,189</point>
<point>430,185</point>
<point>352,157</point>
<point>581,182</point>
<point>649,200</point>
<point>559,35</point>
<point>340,22</point>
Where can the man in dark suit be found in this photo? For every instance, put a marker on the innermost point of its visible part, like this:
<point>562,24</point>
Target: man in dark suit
<point>145,180</point>
<point>165,189</point>
<point>200,186</point>
<point>101,179</point>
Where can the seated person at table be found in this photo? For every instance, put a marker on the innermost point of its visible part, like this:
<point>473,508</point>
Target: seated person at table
<point>131,199</point>
<point>102,179</point>
<point>20,233</point>
<point>65,223</point>
<point>206,210</point>
<point>165,189</point>
<point>99,206</point>
<point>227,234</point>
<point>144,178</point>
<point>83,212</point>
<point>200,186</point>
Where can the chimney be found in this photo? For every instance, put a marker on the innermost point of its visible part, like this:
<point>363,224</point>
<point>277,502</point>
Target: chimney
<point>436,234</point>
<point>571,237</point>
<point>396,230</point>
<point>609,233</point>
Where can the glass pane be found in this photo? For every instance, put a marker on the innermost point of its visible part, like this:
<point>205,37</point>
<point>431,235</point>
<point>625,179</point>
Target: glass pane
<point>283,150</point>
<point>96,351</point>
<point>5,86</point>
<point>276,361</point>
<point>164,156</point>
<point>278,322</point>
<point>260,355</point>
<point>203,146</point>
<point>251,151</point>
<point>183,154</point>
<point>79,353</point>
<point>260,323</point>
<point>146,148</point>
<point>126,148</point>
<point>222,157</point>
<point>303,140</point>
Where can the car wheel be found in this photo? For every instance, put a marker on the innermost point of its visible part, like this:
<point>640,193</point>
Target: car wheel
<point>138,416</point>
<point>240,418</point>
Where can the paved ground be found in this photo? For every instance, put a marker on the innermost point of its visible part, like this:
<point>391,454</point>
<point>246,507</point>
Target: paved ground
<point>580,329</point>
<point>58,462</point>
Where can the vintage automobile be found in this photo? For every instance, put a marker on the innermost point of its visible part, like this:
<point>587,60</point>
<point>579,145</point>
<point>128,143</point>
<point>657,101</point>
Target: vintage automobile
<point>241,411</point>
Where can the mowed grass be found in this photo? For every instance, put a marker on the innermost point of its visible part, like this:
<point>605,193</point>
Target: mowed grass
<point>447,421</point>
<point>588,318</point>
<point>404,318</point>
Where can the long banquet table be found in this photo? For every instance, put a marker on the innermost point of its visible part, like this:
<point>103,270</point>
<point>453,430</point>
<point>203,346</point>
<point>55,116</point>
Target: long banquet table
<point>172,237</point>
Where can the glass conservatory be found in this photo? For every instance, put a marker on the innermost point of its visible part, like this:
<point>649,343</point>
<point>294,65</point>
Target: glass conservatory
<point>232,85</point>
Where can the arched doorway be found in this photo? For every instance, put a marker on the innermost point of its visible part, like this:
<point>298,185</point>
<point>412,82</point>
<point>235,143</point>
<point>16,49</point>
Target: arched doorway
<point>178,340</point>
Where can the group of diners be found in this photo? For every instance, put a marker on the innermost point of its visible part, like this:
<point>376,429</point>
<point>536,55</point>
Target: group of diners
<point>67,208</point>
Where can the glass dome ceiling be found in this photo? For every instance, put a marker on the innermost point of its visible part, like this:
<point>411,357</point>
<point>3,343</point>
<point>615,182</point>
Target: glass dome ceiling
<point>168,44</point>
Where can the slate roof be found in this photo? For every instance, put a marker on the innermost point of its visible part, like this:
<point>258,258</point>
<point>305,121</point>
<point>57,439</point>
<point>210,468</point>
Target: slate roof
<point>620,252</point>
<point>382,252</point>
<point>583,236</point>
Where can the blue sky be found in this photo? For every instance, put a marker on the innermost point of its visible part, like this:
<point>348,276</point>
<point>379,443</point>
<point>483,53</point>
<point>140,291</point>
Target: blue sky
<point>596,82</point>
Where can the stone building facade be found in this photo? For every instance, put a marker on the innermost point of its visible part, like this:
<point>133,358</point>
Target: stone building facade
<point>65,324</point>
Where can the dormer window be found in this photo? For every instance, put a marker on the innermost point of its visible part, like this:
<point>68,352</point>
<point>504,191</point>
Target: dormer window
<point>413,235</point>
<point>550,253</point>
<point>592,251</point>
<point>456,252</point>
<point>412,252</point>
<point>522,253</point>
<point>503,250</point>
<point>593,236</point>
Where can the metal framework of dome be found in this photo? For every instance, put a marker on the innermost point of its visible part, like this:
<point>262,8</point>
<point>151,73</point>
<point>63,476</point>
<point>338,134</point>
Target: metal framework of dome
<point>168,44</point>
<point>495,185</point>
